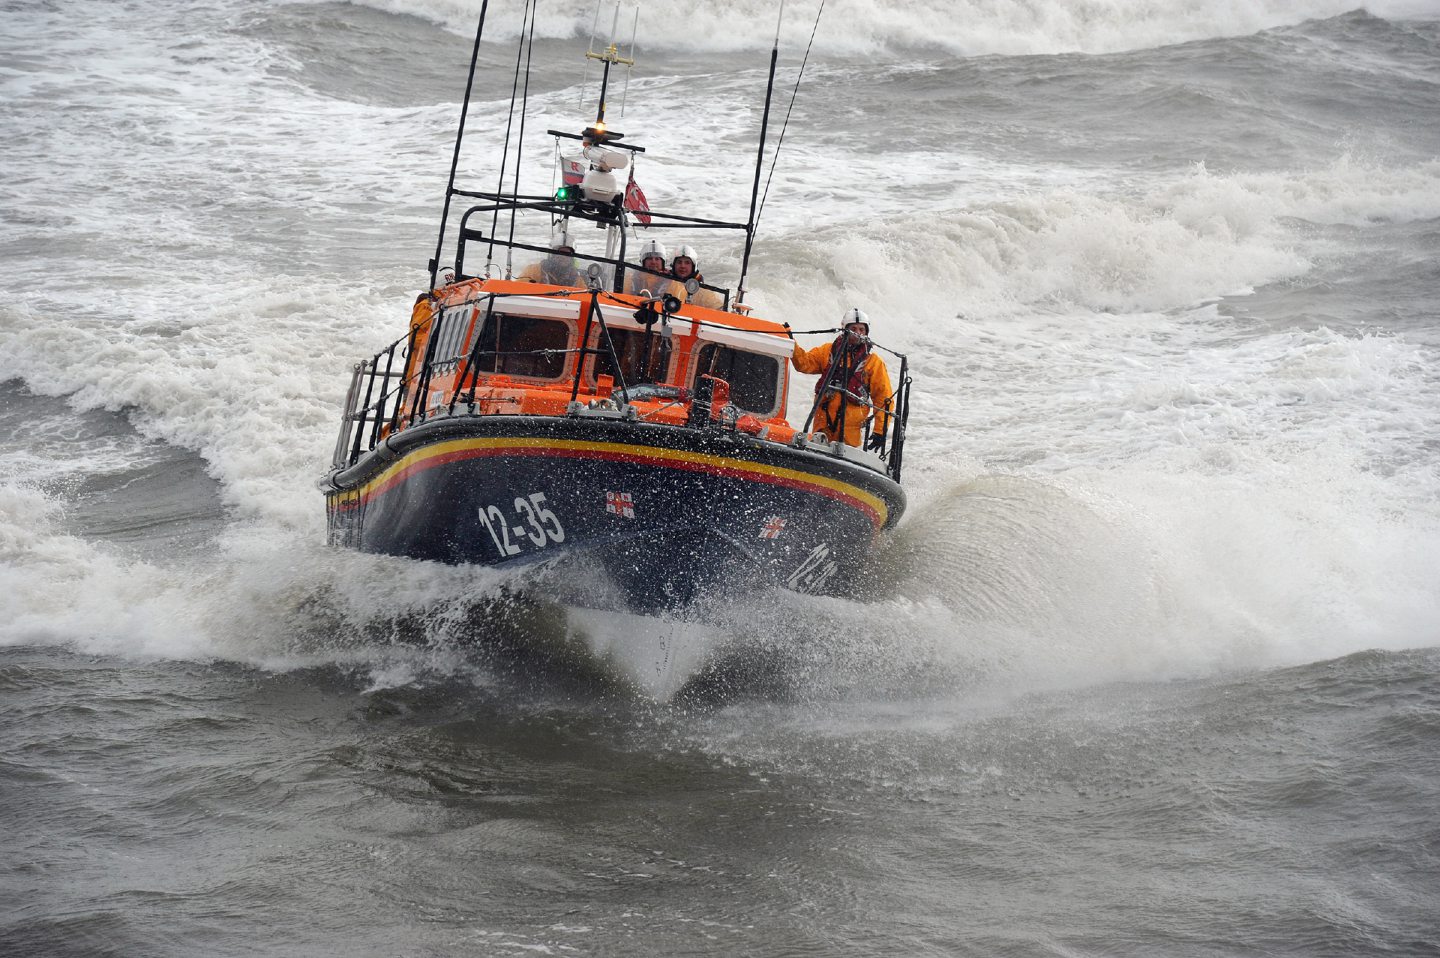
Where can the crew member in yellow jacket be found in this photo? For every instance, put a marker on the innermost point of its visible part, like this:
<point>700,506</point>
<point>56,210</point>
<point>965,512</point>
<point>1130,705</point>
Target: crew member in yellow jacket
<point>557,269</point>
<point>859,374</point>
<point>686,266</point>
<point>652,257</point>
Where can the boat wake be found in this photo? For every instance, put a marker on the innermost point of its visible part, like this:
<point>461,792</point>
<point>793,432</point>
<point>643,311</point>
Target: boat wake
<point>994,583</point>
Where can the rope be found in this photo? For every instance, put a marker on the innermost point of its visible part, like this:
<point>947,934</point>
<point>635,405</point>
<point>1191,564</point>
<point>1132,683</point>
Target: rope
<point>793,93</point>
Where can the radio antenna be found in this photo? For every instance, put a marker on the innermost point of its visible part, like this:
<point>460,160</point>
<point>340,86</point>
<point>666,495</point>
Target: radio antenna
<point>626,91</point>
<point>459,135</point>
<point>585,76</point>
<point>760,158</point>
<point>609,56</point>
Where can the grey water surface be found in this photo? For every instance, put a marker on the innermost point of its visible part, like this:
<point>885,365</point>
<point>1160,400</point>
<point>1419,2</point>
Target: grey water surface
<point>1152,667</point>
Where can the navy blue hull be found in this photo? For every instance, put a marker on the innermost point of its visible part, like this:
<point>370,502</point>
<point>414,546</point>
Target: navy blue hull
<point>662,516</point>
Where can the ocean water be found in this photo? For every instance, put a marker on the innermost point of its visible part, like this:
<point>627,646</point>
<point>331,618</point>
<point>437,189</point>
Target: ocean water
<point>1152,666</point>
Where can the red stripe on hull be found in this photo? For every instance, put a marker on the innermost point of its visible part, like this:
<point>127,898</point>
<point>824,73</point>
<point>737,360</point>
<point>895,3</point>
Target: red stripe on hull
<point>441,459</point>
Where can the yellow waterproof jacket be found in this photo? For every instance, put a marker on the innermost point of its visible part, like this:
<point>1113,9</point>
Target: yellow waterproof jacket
<point>658,286</point>
<point>874,381</point>
<point>703,297</point>
<point>563,273</point>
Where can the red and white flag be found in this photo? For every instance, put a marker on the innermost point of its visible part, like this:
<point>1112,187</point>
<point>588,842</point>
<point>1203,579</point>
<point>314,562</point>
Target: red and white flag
<point>772,528</point>
<point>620,504</point>
<point>572,170</point>
<point>635,201</point>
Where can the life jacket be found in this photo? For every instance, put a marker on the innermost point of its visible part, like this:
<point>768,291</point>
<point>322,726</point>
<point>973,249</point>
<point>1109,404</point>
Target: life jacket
<point>855,384</point>
<point>858,384</point>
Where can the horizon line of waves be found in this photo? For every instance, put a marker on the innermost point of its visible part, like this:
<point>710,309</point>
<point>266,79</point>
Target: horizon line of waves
<point>981,27</point>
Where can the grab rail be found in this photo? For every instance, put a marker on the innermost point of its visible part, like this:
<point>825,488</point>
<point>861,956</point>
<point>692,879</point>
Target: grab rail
<point>381,399</point>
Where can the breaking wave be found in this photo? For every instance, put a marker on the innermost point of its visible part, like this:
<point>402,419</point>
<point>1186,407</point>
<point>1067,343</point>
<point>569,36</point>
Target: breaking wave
<point>1184,242</point>
<point>966,27</point>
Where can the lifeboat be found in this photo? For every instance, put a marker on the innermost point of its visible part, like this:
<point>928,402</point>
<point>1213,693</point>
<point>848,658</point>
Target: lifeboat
<point>635,446</point>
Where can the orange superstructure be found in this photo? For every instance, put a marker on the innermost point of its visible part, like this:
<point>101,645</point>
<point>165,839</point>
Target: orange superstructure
<point>540,367</point>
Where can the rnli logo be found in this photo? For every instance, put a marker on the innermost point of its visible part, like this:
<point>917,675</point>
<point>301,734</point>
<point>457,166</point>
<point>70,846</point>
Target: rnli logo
<point>814,572</point>
<point>772,527</point>
<point>620,504</point>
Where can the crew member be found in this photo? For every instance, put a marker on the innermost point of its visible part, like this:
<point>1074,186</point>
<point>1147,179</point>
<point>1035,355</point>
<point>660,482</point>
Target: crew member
<point>857,381</point>
<point>652,257</point>
<point>557,269</point>
<point>686,266</point>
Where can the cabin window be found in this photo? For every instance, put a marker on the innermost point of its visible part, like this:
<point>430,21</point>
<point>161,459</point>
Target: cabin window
<point>513,346</point>
<point>754,378</point>
<point>630,350</point>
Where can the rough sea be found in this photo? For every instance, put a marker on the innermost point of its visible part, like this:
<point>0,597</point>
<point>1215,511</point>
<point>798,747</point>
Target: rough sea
<point>1151,668</point>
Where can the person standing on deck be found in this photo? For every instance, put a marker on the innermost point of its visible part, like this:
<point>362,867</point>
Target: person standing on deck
<point>857,382</point>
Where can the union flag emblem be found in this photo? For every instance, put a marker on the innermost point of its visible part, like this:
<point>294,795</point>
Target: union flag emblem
<point>620,504</point>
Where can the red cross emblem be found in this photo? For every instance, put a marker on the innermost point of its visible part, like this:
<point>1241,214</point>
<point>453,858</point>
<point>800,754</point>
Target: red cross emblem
<point>620,504</point>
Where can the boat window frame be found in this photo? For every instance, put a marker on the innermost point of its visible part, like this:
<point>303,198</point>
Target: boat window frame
<point>692,380</point>
<point>572,336</point>
<point>588,373</point>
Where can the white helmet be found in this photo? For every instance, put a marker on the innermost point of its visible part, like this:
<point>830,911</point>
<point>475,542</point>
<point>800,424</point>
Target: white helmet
<point>653,248</point>
<point>561,237</point>
<point>854,315</point>
<point>689,253</point>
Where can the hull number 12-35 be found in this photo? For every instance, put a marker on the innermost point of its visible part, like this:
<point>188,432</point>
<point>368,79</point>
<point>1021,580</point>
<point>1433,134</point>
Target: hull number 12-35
<point>534,521</point>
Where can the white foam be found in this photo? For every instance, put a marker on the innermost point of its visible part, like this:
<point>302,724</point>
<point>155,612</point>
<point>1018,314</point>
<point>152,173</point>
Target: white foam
<point>965,27</point>
<point>254,598</point>
<point>1229,496</point>
<point>1174,244</point>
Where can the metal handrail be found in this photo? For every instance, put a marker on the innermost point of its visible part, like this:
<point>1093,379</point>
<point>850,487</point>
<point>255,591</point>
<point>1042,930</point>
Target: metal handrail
<point>621,265</point>
<point>387,392</point>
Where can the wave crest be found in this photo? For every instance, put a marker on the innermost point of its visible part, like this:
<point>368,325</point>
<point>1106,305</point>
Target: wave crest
<point>966,28</point>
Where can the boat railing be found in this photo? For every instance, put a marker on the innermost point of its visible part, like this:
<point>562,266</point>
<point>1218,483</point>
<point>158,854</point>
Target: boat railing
<point>888,440</point>
<point>604,216</point>
<point>383,398</point>
<point>366,420</point>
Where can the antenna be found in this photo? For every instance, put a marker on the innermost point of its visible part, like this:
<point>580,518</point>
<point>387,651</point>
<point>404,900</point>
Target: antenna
<point>585,77</point>
<point>626,91</point>
<point>760,158</point>
<point>609,56</point>
<point>459,135</point>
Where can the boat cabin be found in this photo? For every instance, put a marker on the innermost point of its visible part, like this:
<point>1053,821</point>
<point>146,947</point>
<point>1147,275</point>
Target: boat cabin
<point>515,348</point>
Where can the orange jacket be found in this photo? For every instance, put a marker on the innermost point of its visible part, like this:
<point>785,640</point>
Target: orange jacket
<point>876,380</point>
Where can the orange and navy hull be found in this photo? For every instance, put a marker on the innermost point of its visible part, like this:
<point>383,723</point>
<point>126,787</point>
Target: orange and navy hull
<point>656,516</point>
